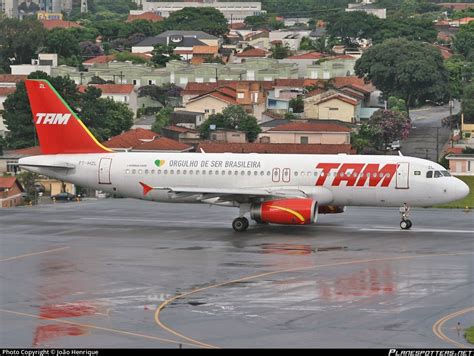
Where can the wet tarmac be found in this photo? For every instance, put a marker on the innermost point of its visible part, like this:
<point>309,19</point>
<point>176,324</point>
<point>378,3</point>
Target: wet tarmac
<point>131,274</point>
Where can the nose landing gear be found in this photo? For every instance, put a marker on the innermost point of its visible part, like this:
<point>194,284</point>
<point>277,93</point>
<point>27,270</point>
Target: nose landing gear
<point>406,223</point>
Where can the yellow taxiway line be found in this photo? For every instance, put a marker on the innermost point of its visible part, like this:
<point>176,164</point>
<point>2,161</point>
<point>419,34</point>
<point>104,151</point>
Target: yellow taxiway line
<point>167,302</point>
<point>437,327</point>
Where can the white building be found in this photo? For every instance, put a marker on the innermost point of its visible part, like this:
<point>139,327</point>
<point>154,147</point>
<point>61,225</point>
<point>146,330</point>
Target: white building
<point>233,11</point>
<point>45,63</point>
<point>367,7</point>
<point>292,39</point>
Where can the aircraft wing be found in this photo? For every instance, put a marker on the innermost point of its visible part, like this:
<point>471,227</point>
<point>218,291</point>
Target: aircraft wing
<point>225,193</point>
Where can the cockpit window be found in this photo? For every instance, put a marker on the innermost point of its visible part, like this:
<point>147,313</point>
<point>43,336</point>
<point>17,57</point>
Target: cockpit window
<point>429,174</point>
<point>437,174</point>
<point>446,173</point>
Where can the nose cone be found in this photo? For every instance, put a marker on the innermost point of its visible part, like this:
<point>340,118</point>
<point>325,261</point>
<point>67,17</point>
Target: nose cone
<point>462,189</point>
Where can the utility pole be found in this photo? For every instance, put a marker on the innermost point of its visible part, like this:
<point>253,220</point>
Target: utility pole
<point>437,143</point>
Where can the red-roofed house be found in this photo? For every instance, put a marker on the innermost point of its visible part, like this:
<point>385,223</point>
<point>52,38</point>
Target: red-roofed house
<point>10,80</point>
<point>249,94</point>
<point>11,192</point>
<point>332,105</point>
<point>148,16</point>
<point>181,134</point>
<point>129,139</point>
<point>308,132</point>
<point>280,148</point>
<point>144,140</point>
<point>50,24</point>
<point>249,53</point>
<point>122,93</point>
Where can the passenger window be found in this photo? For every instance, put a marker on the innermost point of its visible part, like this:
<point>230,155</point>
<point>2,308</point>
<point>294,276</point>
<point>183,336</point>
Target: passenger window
<point>152,171</point>
<point>223,173</point>
<point>429,174</point>
<point>210,173</point>
<point>217,173</point>
<point>184,171</point>
<point>262,173</point>
<point>242,172</point>
<point>229,173</point>
<point>249,173</point>
<point>269,173</point>
<point>146,171</point>
<point>158,171</point>
<point>236,173</point>
<point>178,172</point>
<point>171,171</point>
<point>165,171</point>
<point>315,173</point>
<point>296,174</point>
<point>191,172</point>
<point>127,171</point>
<point>255,173</point>
<point>203,172</point>
<point>139,171</point>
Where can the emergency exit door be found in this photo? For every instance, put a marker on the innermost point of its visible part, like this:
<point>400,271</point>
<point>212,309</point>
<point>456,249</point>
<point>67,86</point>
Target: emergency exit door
<point>403,175</point>
<point>104,170</point>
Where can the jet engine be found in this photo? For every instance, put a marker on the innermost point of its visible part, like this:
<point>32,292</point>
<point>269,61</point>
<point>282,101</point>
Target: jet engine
<point>285,211</point>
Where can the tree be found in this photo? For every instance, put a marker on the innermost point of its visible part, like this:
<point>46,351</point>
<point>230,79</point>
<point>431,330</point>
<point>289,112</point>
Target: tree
<point>162,54</point>
<point>297,104</point>
<point>350,26</point>
<point>416,73</point>
<point>279,51</point>
<point>62,42</point>
<point>460,72</point>
<point>104,117</point>
<point>386,126</point>
<point>160,94</point>
<point>263,21</point>
<point>307,44</point>
<point>28,180</point>
<point>467,103</point>
<point>162,119</point>
<point>19,41</point>
<point>397,104</point>
<point>232,117</point>
<point>88,49</point>
<point>127,56</point>
<point>410,28</point>
<point>463,41</point>
<point>207,19</point>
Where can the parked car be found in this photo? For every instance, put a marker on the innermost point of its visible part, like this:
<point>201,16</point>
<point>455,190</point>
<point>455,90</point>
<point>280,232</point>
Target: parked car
<point>64,197</point>
<point>395,145</point>
<point>39,187</point>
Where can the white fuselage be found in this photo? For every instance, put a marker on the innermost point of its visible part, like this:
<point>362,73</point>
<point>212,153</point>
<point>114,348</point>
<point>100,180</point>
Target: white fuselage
<point>350,179</point>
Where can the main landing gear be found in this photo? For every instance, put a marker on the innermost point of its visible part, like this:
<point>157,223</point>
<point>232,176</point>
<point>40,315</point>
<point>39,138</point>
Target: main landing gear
<point>240,224</point>
<point>406,223</point>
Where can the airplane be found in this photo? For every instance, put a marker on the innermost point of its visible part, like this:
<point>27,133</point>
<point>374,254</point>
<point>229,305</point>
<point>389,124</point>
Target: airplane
<point>272,188</point>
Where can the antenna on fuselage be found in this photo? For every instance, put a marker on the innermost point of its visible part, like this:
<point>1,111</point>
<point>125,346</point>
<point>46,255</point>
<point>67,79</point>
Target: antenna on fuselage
<point>400,153</point>
<point>202,151</point>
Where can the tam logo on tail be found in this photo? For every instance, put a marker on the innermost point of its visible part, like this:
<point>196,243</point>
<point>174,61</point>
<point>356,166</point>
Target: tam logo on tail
<point>59,130</point>
<point>52,118</point>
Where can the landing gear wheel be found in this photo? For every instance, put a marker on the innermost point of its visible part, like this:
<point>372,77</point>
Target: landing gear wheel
<point>240,224</point>
<point>406,224</point>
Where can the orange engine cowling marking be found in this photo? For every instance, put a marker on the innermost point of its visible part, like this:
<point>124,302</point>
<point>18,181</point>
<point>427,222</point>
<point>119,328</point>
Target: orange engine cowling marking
<point>285,211</point>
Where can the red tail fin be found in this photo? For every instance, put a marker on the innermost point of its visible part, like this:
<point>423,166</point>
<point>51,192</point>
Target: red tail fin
<point>59,129</point>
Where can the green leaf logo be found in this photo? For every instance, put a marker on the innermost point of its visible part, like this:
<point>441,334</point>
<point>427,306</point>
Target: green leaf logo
<point>159,162</point>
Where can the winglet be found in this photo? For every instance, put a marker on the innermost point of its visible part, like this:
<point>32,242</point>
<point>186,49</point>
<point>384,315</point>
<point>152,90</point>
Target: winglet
<point>146,188</point>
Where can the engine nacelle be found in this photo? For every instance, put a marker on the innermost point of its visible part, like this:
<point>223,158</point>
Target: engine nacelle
<point>330,209</point>
<point>285,211</point>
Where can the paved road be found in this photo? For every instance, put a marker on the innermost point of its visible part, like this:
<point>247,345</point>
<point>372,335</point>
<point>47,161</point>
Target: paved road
<point>93,273</point>
<point>427,132</point>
